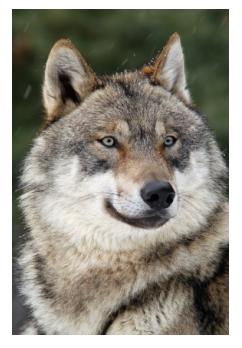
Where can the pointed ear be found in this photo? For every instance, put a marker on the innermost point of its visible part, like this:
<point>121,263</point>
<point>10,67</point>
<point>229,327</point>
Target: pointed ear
<point>169,69</point>
<point>67,80</point>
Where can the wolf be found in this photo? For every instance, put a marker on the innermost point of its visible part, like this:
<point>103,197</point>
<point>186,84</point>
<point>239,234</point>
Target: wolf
<point>124,196</point>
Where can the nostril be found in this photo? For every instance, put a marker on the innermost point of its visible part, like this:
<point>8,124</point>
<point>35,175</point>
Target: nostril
<point>170,198</point>
<point>153,198</point>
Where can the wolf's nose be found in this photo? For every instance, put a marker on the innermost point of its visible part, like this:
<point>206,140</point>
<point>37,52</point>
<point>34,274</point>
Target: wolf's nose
<point>158,194</point>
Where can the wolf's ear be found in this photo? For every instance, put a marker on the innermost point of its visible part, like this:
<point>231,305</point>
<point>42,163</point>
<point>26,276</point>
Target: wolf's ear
<point>67,80</point>
<point>169,69</point>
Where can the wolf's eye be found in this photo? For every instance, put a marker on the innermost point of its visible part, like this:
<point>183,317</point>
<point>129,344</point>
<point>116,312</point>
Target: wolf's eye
<point>108,141</point>
<point>169,140</point>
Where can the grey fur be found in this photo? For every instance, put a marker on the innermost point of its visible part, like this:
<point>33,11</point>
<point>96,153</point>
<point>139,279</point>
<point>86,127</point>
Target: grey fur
<point>86,271</point>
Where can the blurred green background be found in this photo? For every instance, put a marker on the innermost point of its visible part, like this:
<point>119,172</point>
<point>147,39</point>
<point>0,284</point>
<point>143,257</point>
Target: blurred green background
<point>111,41</point>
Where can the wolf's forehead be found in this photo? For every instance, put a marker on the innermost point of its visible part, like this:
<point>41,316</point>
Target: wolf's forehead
<point>137,102</point>
<point>136,106</point>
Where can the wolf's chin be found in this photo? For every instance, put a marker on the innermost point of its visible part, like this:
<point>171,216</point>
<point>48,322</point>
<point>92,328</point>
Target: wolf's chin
<point>150,221</point>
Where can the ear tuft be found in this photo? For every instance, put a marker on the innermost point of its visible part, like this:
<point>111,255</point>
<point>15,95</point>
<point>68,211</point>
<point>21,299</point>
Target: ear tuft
<point>168,69</point>
<point>67,81</point>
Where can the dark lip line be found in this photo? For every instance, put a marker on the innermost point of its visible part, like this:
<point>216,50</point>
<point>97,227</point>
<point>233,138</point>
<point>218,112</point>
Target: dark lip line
<point>147,222</point>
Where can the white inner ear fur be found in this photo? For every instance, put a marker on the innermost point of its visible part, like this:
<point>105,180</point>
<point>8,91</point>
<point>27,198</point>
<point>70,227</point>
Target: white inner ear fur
<point>173,70</point>
<point>64,59</point>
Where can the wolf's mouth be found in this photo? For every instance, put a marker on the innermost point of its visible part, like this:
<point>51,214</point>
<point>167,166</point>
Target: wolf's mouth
<point>151,221</point>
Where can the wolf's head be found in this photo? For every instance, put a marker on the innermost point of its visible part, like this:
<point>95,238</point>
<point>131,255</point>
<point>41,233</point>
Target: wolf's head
<point>123,159</point>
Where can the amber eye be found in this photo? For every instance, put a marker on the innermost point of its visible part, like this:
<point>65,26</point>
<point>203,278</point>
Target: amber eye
<point>169,141</point>
<point>108,141</point>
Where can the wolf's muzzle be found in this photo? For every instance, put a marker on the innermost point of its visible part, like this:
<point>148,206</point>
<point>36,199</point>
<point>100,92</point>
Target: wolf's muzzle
<point>158,194</point>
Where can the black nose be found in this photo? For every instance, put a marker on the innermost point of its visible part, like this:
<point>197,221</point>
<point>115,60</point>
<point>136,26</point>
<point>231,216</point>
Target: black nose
<point>158,194</point>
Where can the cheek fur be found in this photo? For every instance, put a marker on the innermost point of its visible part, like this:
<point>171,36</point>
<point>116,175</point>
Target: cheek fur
<point>195,174</point>
<point>71,179</point>
<point>92,158</point>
